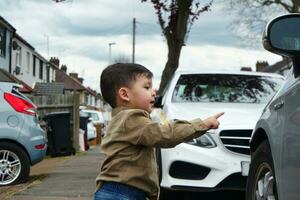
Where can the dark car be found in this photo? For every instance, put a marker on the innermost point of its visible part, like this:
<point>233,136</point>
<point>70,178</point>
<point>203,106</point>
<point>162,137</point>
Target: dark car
<point>275,144</point>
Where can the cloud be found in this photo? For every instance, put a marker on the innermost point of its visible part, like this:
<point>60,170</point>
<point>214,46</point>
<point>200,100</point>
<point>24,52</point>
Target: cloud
<point>222,57</point>
<point>79,32</point>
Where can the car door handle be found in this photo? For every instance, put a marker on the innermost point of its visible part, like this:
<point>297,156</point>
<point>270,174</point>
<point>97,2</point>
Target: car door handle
<point>278,105</point>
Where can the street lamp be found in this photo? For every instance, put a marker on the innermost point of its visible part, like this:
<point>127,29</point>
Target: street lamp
<point>109,53</point>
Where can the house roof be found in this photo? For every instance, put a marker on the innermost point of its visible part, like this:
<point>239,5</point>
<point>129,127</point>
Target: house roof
<point>53,65</point>
<point>38,55</point>
<point>7,77</point>
<point>48,88</point>
<point>24,41</point>
<point>91,91</point>
<point>279,66</point>
<point>72,83</point>
<point>69,82</point>
<point>7,24</point>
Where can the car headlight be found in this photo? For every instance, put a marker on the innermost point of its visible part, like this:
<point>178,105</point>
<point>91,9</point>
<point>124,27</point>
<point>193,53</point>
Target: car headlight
<point>205,141</point>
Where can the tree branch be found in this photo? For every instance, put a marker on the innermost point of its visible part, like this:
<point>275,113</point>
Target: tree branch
<point>278,2</point>
<point>159,7</point>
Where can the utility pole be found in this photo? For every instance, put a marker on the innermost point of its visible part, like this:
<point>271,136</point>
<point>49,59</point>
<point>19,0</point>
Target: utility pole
<point>47,37</point>
<point>109,51</point>
<point>133,39</point>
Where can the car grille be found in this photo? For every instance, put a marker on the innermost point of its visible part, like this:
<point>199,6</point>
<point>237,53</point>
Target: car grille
<point>236,140</point>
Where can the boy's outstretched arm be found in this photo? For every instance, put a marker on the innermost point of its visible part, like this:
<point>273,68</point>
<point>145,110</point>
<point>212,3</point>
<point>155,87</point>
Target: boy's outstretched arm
<point>212,122</point>
<point>168,135</point>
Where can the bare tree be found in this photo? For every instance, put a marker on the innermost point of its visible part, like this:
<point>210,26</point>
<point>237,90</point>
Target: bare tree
<point>176,18</point>
<point>251,17</point>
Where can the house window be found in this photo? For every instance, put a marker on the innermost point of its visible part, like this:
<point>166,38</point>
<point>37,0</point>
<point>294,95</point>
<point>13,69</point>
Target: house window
<point>91,100</point>
<point>28,61</point>
<point>48,73</point>
<point>41,70</point>
<point>86,100</point>
<point>2,42</point>
<point>34,65</point>
<point>19,57</point>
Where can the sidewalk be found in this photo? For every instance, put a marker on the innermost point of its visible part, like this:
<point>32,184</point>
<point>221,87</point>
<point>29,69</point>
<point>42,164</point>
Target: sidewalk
<point>72,179</point>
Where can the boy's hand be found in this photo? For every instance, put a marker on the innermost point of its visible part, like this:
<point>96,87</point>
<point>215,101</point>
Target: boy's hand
<point>212,122</point>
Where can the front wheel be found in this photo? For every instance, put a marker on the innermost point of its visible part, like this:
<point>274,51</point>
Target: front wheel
<point>14,164</point>
<point>261,183</point>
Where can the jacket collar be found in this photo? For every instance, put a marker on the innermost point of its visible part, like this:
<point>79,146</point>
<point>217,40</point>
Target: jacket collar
<point>116,110</point>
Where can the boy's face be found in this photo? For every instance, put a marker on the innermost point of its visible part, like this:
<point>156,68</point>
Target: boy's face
<point>141,94</point>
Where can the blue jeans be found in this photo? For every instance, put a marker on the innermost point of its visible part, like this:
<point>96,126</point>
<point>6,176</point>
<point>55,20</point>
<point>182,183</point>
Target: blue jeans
<point>118,191</point>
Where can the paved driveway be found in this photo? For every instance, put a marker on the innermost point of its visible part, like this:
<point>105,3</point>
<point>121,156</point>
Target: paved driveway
<point>73,179</point>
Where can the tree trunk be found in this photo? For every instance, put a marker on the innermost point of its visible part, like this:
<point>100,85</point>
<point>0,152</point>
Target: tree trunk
<point>175,34</point>
<point>171,66</point>
<point>296,6</point>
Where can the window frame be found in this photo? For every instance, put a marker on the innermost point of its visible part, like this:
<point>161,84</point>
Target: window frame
<point>34,65</point>
<point>3,41</point>
<point>41,71</point>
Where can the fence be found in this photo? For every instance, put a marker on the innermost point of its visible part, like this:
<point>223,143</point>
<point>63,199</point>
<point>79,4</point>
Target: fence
<point>60,103</point>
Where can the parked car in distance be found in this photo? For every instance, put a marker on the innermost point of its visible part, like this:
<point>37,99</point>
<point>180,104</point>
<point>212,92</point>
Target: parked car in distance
<point>22,140</point>
<point>91,130</point>
<point>275,144</point>
<point>96,118</point>
<point>219,159</point>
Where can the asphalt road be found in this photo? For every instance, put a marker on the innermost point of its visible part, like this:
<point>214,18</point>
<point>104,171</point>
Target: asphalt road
<point>220,195</point>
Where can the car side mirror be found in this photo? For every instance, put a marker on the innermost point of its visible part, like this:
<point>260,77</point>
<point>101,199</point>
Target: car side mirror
<point>282,36</point>
<point>158,102</point>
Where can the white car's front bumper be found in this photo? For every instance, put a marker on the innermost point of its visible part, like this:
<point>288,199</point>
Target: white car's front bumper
<point>214,165</point>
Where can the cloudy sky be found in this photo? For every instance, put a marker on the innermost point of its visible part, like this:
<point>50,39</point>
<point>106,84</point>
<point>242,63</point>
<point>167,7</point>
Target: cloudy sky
<point>79,32</point>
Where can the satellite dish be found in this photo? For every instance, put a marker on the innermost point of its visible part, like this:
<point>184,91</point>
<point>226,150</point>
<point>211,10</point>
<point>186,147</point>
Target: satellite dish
<point>15,45</point>
<point>17,70</point>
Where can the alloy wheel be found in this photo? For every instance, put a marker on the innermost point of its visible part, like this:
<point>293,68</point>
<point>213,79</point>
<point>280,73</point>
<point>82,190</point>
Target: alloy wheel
<point>10,167</point>
<point>265,184</point>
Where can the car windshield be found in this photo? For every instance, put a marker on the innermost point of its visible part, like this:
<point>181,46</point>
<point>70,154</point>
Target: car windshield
<point>225,88</point>
<point>94,116</point>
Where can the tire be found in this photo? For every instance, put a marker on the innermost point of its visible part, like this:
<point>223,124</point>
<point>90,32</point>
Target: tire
<point>261,184</point>
<point>14,164</point>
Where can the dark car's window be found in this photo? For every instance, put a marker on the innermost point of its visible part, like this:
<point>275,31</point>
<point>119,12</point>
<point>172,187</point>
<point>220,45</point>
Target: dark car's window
<point>225,88</point>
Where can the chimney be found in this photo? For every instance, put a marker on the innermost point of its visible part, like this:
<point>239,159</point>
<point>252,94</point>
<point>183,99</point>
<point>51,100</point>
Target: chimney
<point>74,75</point>
<point>80,79</point>
<point>64,68</point>
<point>55,61</point>
<point>261,65</point>
<point>249,69</point>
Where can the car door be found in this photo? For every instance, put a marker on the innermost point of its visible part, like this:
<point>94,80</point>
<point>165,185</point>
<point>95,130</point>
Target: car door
<point>290,162</point>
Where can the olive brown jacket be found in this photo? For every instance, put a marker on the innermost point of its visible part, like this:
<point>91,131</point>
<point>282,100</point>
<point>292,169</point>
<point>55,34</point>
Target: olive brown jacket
<point>129,146</point>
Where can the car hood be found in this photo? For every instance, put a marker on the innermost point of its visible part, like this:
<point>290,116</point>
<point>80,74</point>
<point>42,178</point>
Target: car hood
<point>237,114</point>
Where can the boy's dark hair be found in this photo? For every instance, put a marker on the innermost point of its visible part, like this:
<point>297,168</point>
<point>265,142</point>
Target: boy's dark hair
<point>117,75</point>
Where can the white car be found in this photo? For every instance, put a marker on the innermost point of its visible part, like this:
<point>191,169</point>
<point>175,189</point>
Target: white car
<point>96,119</point>
<point>220,158</point>
<point>91,130</point>
<point>96,116</point>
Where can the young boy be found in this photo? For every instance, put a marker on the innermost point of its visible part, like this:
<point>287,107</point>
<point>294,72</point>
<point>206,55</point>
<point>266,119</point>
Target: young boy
<point>129,171</point>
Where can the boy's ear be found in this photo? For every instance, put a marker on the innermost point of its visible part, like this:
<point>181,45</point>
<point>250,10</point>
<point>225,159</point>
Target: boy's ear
<point>123,93</point>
